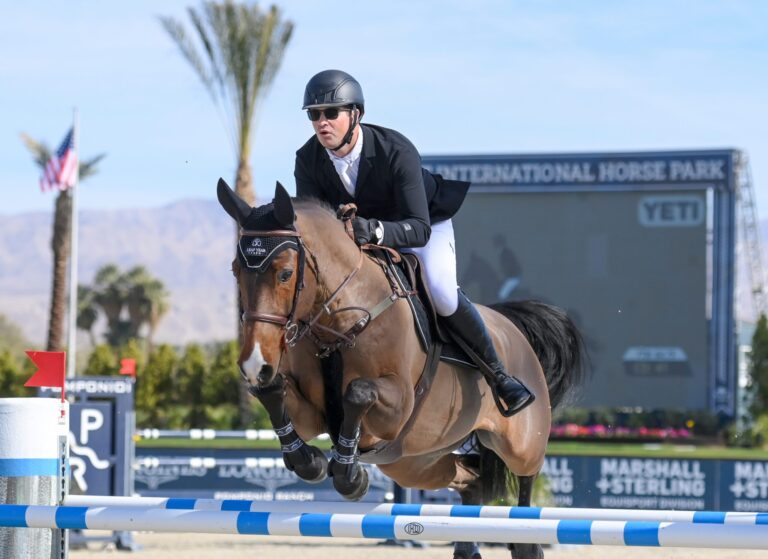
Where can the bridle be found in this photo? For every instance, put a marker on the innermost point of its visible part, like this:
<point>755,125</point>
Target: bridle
<point>295,329</point>
<point>283,321</point>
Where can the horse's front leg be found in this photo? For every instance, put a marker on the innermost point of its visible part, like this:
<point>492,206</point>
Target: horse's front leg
<point>307,461</point>
<point>349,478</point>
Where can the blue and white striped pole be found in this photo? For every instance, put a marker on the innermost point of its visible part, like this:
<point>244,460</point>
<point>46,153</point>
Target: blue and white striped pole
<point>33,469</point>
<point>211,434</point>
<point>499,530</point>
<point>396,509</point>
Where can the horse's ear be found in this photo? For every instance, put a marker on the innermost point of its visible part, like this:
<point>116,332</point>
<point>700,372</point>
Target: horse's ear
<point>235,206</point>
<point>283,206</point>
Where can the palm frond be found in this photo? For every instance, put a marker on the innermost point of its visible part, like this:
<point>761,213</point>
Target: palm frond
<point>106,275</point>
<point>187,48</point>
<point>88,167</point>
<point>41,153</point>
<point>216,65</point>
<point>240,51</point>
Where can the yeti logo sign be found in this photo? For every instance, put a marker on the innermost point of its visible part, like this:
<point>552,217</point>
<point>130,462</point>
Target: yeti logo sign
<point>671,211</point>
<point>413,528</point>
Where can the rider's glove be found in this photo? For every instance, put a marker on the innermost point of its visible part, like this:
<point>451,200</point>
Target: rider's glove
<point>367,230</point>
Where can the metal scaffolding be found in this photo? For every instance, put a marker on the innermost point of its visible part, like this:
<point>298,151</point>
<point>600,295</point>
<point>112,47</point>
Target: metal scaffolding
<point>750,233</point>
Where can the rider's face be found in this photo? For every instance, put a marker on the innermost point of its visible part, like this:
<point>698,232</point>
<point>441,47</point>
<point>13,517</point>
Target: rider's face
<point>330,133</point>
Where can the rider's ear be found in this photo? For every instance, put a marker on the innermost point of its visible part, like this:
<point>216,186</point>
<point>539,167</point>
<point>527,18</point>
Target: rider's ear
<point>235,206</point>
<point>283,206</point>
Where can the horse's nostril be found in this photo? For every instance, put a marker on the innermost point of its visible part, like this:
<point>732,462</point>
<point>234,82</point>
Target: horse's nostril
<point>265,374</point>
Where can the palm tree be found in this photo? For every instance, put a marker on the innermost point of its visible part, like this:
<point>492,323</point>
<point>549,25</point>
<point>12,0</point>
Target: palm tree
<point>109,294</point>
<point>147,302</point>
<point>241,49</point>
<point>135,293</point>
<point>87,314</point>
<point>239,53</point>
<point>61,241</point>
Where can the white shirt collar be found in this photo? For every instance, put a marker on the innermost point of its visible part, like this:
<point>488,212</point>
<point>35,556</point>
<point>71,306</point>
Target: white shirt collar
<point>348,167</point>
<point>353,155</point>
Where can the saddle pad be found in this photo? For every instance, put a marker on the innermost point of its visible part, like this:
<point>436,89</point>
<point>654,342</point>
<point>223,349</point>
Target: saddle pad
<point>451,353</point>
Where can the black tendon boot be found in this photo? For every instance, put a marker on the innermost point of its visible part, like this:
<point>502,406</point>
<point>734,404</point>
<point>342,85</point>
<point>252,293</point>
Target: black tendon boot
<point>467,325</point>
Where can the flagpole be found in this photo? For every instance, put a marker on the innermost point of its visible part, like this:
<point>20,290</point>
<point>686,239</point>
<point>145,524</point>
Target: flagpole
<point>72,344</point>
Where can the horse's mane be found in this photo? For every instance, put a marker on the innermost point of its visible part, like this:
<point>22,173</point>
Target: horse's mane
<point>317,212</point>
<point>308,202</point>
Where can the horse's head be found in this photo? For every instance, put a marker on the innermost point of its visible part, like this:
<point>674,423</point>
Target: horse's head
<point>269,269</point>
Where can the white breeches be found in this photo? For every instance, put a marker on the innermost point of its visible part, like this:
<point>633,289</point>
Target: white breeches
<point>438,257</point>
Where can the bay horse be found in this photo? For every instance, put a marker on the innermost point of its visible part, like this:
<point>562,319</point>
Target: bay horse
<point>323,357</point>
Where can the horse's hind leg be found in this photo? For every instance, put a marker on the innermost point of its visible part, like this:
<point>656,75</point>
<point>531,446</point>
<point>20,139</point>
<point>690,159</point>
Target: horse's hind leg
<point>460,472</point>
<point>472,494</point>
<point>349,478</point>
<point>307,461</point>
<point>526,550</point>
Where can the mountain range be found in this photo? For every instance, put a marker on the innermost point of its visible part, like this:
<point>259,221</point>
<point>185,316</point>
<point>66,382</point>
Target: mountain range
<point>189,245</point>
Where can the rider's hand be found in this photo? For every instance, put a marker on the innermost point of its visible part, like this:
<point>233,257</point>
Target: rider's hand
<point>365,230</point>
<point>345,211</point>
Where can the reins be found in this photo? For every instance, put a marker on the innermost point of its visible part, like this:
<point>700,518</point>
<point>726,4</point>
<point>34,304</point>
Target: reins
<point>296,329</point>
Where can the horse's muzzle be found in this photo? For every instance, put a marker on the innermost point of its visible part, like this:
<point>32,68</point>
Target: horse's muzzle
<point>266,375</point>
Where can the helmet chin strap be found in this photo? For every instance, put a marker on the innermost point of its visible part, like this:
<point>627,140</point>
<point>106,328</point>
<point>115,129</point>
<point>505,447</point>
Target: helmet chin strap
<point>348,136</point>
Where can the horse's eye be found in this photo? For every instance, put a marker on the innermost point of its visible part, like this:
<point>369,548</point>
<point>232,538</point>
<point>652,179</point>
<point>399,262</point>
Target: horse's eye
<point>285,275</point>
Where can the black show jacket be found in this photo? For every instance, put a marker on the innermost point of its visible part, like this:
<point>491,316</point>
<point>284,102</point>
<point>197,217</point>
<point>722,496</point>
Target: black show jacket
<point>391,186</point>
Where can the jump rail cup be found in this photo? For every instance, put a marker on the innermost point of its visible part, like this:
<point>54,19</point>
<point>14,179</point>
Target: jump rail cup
<point>499,530</point>
<point>395,509</point>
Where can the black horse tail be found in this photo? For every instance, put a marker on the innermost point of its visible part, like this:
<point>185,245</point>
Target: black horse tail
<point>555,340</point>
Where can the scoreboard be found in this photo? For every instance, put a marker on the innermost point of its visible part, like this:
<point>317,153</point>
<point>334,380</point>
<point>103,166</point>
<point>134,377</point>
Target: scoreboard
<point>637,247</point>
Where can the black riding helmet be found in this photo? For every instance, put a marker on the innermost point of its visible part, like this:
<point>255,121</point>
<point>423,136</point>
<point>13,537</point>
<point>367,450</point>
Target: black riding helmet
<point>334,88</point>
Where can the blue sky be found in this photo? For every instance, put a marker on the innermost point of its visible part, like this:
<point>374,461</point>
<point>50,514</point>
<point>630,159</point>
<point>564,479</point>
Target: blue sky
<point>457,77</point>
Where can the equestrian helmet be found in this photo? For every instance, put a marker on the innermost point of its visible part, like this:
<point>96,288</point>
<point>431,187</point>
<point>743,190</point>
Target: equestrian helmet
<point>333,88</point>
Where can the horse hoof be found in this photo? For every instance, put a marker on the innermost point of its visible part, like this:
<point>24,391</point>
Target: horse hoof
<point>353,490</point>
<point>526,551</point>
<point>314,467</point>
<point>466,550</point>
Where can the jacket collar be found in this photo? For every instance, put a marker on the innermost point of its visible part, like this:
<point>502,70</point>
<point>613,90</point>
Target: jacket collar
<point>330,172</point>
<point>366,158</point>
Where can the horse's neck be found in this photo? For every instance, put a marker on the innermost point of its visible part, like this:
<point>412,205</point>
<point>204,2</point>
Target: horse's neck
<point>336,258</point>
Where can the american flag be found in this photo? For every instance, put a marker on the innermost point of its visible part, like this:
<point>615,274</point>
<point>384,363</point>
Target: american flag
<point>61,170</point>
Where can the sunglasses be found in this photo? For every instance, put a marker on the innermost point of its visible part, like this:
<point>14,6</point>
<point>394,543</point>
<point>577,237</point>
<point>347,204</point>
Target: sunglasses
<point>331,113</point>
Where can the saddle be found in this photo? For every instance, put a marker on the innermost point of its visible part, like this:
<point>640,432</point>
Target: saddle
<point>408,272</point>
<point>404,272</point>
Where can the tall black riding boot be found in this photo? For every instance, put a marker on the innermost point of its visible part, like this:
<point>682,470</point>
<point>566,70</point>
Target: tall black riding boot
<point>467,325</point>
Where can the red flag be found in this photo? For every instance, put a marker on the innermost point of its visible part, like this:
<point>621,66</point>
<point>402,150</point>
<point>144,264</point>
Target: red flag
<point>128,367</point>
<point>50,368</point>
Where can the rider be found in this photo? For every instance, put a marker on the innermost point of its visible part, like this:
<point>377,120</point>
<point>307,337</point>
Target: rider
<point>399,205</point>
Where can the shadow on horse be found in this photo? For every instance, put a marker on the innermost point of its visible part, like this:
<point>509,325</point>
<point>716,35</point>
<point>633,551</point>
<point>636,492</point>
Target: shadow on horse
<point>323,357</point>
